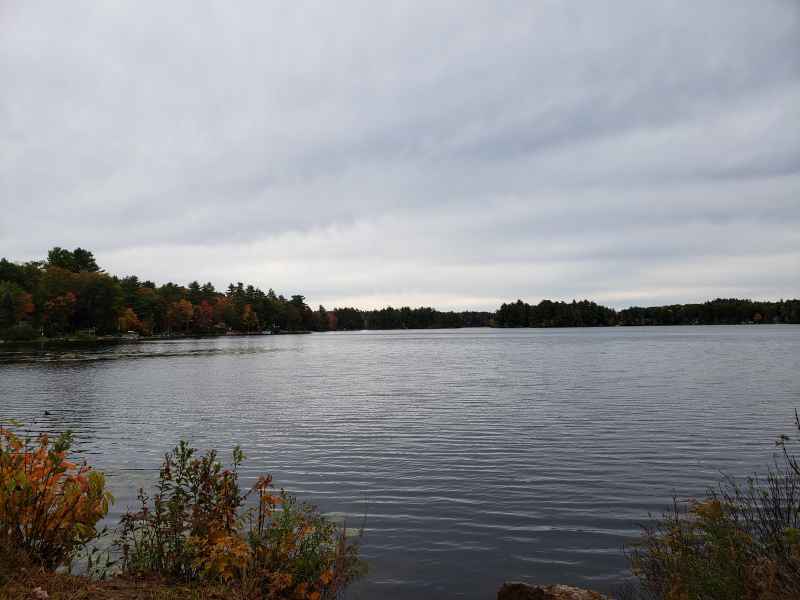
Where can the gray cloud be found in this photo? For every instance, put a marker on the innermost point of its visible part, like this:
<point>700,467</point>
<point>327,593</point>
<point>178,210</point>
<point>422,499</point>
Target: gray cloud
<point>455,154</point>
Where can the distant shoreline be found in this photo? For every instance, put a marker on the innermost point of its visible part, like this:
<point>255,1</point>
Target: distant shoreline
<point>120,339</point>
<point>68,298</point>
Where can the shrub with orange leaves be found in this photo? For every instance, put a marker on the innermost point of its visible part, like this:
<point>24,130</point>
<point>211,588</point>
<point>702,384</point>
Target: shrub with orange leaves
<point>49,507</point>
<point>199,526</point>
<point>296,551</point>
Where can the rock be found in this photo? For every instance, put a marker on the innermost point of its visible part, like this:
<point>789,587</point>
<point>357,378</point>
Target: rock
<point>523,591</point>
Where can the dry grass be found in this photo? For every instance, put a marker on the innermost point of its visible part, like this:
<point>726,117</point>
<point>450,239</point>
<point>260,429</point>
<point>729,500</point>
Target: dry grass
<point>39,584</point>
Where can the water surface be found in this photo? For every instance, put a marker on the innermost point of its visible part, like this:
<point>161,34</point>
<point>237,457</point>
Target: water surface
<point>477,455</point>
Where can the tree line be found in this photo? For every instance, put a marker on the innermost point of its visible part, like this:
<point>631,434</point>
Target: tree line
<point>69,293</point>
<point>350,319</point>
<point>730,311</point>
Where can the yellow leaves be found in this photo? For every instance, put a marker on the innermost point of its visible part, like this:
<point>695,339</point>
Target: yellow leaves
<point>270,499</point>
<point>709,510</point>
<point>278,584</point>
<point>224,557</point>
<point>792,536</point>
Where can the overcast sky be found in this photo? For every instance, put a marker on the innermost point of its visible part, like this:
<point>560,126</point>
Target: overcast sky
<point>454,154</point>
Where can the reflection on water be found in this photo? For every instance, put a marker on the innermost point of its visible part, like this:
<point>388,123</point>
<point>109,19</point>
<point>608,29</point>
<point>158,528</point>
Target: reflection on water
<point>477,455</point>
<point>122,351</point>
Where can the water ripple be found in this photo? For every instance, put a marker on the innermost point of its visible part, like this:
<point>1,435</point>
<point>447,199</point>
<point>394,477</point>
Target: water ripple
<point>476,456</point>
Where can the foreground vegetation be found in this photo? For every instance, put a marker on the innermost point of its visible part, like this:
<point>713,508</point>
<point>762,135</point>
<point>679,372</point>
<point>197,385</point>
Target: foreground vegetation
<point>38,584</point>
<point>197,535</point>
<point>69,296</point>
<point>741,542</point>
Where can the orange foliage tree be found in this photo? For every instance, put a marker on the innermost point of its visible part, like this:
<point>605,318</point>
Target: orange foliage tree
<point>249,318</point>
<point>204,316</point>
<point>58,312</point>
<point>129,321</point>
<point>25,306</point>
<point>180,314</point>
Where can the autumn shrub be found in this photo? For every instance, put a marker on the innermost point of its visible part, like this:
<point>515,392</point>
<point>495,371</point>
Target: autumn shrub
<point>742,541</point>
<point>198,526</point>
<point>49,507</point>
<point>295,551</point>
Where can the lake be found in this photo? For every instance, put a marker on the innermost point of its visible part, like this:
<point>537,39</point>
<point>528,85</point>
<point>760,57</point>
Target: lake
<point>472,456</point>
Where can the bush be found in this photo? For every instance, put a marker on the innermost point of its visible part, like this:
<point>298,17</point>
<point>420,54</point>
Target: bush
<point>295,551</point>
<point>198,526</point>
<point>740,542</point>
<point>49,507</point>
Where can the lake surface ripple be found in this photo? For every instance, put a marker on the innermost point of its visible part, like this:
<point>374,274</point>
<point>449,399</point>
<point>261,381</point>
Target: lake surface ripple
<point>475,455</point>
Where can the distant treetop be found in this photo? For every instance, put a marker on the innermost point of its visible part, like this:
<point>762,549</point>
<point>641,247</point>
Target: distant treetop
<point>77,261</point>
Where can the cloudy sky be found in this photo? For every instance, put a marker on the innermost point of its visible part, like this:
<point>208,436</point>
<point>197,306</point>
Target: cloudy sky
<point>456,154</point>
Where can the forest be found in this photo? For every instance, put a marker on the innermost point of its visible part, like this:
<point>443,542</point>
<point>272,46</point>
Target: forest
<point>348,319</point>
<point>731,311</point>
<point>69,294</point>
